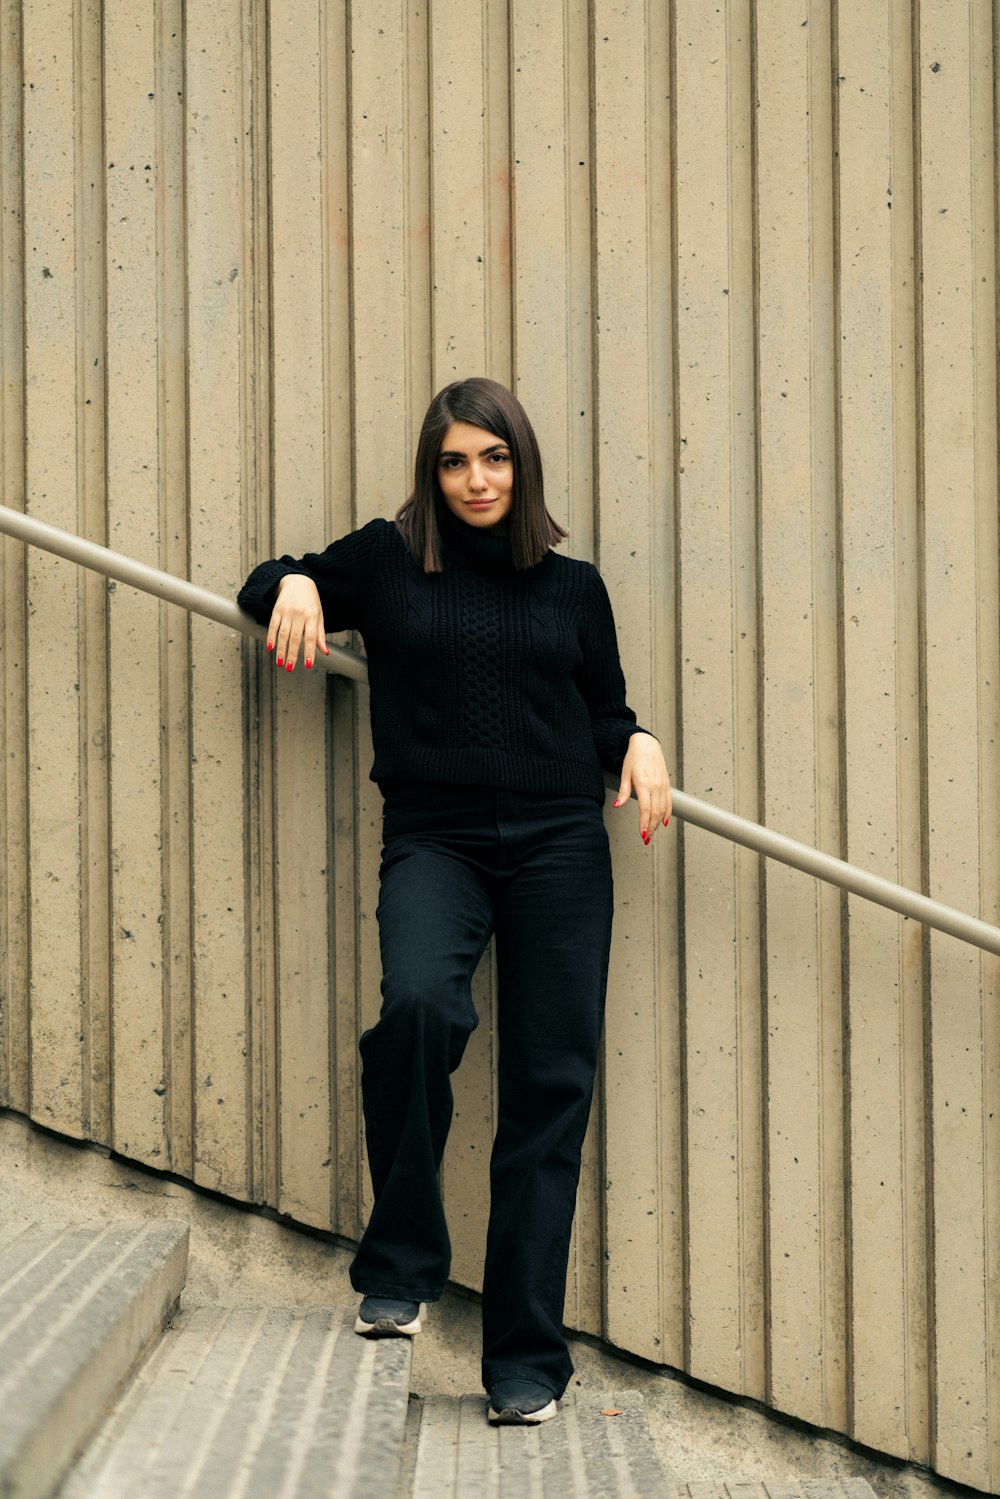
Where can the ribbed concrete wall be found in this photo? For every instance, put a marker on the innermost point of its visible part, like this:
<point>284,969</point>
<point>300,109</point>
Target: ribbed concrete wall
<point>740,263</point>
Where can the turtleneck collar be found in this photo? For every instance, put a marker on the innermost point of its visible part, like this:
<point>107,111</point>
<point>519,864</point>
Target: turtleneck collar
<point>477,548</point>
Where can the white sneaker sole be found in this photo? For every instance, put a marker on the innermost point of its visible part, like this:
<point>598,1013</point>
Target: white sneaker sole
<point>522,1418</point>
<point>386,1328</point>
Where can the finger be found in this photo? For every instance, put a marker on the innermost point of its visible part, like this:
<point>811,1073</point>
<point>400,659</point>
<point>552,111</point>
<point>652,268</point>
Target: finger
<point>281,640</point>
<point>624,791</point>
<point>309,643</point>
<point>314,640</point>
<point>272,628</point>
<point>294,643</point>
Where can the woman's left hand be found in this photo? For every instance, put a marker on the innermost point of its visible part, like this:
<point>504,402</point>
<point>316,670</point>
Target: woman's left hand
<point>644,771</point>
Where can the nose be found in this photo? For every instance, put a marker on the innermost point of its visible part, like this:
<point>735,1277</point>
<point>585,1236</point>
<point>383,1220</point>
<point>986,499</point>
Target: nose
<point>477,479</point>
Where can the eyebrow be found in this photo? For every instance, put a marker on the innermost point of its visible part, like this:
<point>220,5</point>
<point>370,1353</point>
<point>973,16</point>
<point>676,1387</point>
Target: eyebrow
<point>453,453</point>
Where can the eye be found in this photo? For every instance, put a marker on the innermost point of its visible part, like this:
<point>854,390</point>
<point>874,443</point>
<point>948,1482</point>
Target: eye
<point>450,462</point>
<point>500,457</point>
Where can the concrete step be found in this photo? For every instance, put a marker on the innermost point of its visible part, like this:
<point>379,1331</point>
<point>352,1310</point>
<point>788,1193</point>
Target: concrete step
<point>79,1306</point>
<point>452,1452</point>
<point>810,1488</point>
<point>243,1403</point>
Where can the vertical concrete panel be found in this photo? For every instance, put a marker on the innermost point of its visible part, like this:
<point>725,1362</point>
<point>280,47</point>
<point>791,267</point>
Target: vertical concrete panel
<point>666,975</point>
<point>53,485</point>
<point>465,1169</point>
<point>224,238</point>
<point>499,203</point>
<point>717,677</point>
<point>635,1111</point>
<point>350,909</point>
<point>464,194</point>
<point>541,263</point>
<point>140,1061</point>
<point>421,301</point>
<point>551,276</point>
<point>14,1012</point>
<point>550,143</point>
<point>888,1307</point>
<point>91,231</point>
<point>663,679</point>
<point>300,525</point>
<point>173,503</point>
<point>984,188</point>
<point>380,224</point>
<point>960,612</point>
<point>469,186</point>
<point>354,929</point>
<point>799,725</point>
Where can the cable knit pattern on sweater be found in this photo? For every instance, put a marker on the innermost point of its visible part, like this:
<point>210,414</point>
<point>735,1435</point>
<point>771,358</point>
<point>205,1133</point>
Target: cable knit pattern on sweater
<point>483,674</point>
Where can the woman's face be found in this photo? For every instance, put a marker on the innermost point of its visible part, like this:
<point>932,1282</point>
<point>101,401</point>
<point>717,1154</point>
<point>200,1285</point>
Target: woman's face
<point>476,475</point>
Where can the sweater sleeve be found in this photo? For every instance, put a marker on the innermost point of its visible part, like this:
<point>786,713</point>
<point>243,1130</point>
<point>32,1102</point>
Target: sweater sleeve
<point>612,721</point>
<point>342,573</point>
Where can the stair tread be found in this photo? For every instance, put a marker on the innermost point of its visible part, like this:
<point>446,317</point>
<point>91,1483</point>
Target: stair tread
<point>585,1453</point>
<point>247,1402</point>
<point>808,1488</point>
<point>79,1305</point>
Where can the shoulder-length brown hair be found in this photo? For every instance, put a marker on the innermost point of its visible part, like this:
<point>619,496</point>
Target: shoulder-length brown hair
<point>482,403</point>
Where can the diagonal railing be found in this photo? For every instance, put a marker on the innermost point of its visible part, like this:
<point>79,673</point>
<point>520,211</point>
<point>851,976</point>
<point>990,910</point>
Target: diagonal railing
<point>349,664</point>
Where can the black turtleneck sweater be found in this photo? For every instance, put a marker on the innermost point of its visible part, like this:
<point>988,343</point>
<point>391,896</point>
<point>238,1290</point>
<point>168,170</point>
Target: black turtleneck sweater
<point>482,674</point>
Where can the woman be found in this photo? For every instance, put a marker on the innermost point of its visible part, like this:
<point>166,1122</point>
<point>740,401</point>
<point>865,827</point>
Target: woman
<point>497,697</point>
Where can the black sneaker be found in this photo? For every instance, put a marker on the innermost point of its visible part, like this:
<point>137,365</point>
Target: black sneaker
<point>520,1402</point>
<point>381,1317</point>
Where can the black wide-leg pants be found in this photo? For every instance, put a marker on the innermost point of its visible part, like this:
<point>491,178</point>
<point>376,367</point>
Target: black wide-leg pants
<point>460,863</point>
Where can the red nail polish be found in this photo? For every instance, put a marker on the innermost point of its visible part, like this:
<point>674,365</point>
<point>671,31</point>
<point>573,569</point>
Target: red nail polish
<point>308,663</point>
<point>270,645</point>
<point>280,662</point>
<point>288,666</point>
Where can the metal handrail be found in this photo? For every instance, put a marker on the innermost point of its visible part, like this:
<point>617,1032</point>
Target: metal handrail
<point>348,663</point>
<point>162,585</point>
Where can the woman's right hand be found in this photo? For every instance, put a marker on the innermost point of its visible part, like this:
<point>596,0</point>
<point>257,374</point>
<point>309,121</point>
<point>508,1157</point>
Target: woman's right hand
<point>296,621</point>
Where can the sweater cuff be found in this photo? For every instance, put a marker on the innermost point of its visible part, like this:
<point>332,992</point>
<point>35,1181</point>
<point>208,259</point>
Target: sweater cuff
<point>611,739</point>
<point>258,594</point>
